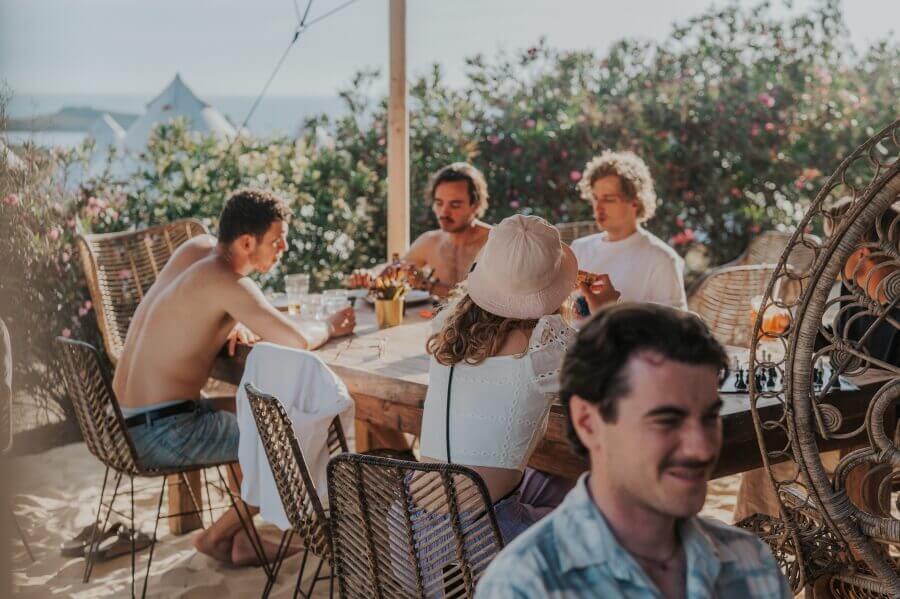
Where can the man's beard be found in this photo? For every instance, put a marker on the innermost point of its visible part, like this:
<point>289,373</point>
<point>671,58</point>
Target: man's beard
<point>451,226</point>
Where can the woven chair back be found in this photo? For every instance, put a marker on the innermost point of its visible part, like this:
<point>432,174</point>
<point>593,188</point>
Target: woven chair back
<point>722,300</point>
<point>298,493</point>
<point>768,247</point>
<point>569,232</point>
<point>96,409</point>
<point>406,529</point>
<point>6,394</point>
<point>121,267</point>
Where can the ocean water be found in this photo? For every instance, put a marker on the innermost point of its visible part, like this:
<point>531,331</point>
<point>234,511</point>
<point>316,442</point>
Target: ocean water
<point>277,115</point>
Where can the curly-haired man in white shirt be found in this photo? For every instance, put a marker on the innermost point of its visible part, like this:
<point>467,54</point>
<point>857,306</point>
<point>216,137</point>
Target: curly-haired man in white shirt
<point>635,264</point>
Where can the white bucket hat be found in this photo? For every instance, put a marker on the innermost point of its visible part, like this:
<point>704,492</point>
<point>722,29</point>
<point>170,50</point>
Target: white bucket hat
<point>523,271</point>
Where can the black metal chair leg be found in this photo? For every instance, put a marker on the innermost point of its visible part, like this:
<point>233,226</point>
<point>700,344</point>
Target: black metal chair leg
<point>283,547</point>
<point>162,493</point>
<point>247,526</point>
<point>315,579</point>
<point>89,555</point>
<point>300,573</point>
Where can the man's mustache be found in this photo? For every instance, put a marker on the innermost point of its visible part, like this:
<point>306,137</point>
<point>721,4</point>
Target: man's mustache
<point>691,464</point>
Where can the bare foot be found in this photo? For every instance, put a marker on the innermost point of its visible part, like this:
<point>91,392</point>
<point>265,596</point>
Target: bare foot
<point>242,553</point>
<point>219,550</point>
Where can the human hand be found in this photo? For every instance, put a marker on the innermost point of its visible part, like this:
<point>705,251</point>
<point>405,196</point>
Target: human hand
<point>599,293</point>
<point>240,334</point>
<point>342,323</point>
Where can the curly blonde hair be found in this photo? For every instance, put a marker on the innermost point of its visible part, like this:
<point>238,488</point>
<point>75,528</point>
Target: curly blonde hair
<point>631,171</point>
<point>461,171</point>
<point>472,334</point>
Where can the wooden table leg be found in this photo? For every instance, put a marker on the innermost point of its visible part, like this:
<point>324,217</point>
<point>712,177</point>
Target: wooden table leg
<point>372,436</point>
<point>180,500</point>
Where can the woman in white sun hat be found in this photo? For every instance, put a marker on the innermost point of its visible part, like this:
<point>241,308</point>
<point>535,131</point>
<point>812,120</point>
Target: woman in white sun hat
<point>495,357</point>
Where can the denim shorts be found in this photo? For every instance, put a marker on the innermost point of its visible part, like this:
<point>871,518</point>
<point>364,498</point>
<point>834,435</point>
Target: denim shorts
<point>204,436</point>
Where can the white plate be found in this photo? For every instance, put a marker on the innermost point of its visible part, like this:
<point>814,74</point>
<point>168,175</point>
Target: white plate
<point>413,296</point>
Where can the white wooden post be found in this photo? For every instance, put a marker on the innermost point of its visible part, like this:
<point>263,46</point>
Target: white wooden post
<point>398,136</point>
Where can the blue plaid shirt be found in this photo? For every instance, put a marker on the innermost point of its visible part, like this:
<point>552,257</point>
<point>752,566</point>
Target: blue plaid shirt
<point>573,553</point>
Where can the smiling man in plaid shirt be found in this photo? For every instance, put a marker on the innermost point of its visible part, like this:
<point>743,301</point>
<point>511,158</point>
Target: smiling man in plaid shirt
<point>640,386</point>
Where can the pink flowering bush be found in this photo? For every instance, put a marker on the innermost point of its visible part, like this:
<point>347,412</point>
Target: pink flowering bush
<point>740,115</point>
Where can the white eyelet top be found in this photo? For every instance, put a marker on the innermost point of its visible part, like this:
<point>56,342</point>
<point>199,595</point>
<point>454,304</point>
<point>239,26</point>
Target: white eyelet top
<point>499,408</point>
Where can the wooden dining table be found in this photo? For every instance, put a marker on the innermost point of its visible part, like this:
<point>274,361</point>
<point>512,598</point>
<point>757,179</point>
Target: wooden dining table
<point>386,372</point>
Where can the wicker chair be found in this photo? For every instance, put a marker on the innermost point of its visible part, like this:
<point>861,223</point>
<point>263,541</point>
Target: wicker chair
<point>722,300</point>
<point>121,267</point>
<point>569,232</point>
<point>304,510</point>
<point>405,529</point>
<point>105,434</point>
<point>828,535</point>
<point>768,247</point>
<point>6,429</point>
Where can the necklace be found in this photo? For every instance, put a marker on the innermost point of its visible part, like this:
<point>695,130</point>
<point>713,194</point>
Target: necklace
<point>662,564</point>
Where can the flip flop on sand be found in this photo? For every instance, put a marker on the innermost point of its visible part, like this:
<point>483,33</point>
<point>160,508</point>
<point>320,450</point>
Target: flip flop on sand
<point>78,546</point>
<point>120,544</point>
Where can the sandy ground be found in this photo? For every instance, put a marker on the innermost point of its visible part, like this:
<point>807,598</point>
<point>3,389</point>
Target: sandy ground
<point>57,496</point>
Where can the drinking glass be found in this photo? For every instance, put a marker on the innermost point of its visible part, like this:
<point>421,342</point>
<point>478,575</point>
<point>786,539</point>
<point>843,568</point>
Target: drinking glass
<point>296,286</point>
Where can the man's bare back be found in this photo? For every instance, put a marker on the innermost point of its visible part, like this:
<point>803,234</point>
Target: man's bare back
<point>449,254</point>
<point>184,320</point>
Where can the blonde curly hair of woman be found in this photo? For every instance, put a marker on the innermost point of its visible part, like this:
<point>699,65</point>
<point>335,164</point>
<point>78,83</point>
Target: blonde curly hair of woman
<point>471,334</point>
<point>632,172</point>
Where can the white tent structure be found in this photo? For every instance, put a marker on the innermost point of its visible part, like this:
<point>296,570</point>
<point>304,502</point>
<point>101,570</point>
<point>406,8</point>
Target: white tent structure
<point>106,132</point>
<point>12,161</point>
<point>177,101</point>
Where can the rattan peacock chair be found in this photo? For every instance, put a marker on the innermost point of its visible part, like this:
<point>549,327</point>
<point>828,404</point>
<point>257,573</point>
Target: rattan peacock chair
<point>302,506</point>
<point>121,267</point>
<point>828,536</point>
<point>410,530</point>
<point>106,436</point>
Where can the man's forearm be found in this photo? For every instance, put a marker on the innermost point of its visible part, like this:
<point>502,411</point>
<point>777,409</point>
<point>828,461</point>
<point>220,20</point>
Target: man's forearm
<point>316,332</point>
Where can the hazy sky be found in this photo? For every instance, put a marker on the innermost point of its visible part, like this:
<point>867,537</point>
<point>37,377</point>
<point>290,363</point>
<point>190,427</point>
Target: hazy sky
<point>225,47</point>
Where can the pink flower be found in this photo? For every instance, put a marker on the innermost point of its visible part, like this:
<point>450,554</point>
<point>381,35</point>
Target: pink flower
<point>767,100</point>
<point>88,305</point>
<point>754,130</point>
<point>688,195</point>
<point>494,139</point>
<point>688,235</point>
<point>530,123</point>
<point>575,176</point>
<point>53,233</point>
<point>514,204</point>
<point>770,126</point>
<point>735,192</point>
<point>563,154</point>
<point>124,274</point>
<point>516,151</point>
<point>82,312</point>
<point>799,183</point>
<point>67,333</point>
<point>755,228</point>
<point>679,222</point>
<point>11,200</point>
